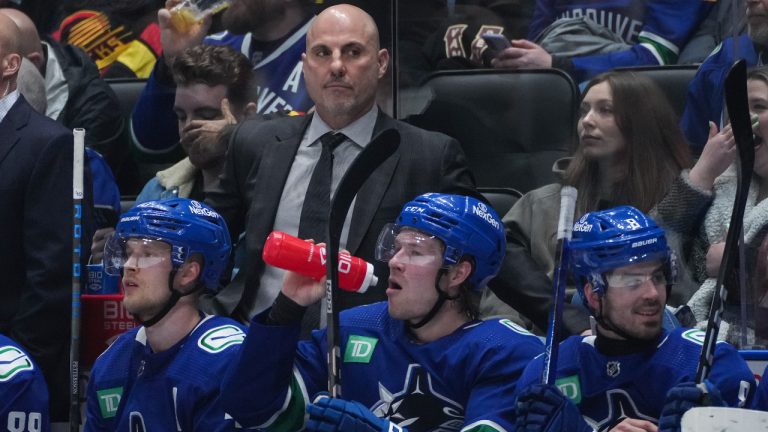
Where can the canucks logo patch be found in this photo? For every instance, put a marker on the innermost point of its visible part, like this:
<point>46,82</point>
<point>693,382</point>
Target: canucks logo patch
<point>12,362</point>
<point>220,338</point>
<point>693,335</point>
<point>359,349</point>
<point>514,327</point>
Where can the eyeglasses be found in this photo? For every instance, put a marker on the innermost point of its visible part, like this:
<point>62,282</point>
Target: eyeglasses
<point>632,281</point>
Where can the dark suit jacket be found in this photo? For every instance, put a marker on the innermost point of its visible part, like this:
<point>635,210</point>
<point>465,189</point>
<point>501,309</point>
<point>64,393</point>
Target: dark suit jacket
<point>258,162</point>
<point>36,242</point>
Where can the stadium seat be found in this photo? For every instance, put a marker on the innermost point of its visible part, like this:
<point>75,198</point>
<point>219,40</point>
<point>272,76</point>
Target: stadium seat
<point>512,125</point>
<point>673,81</point>
<point>128,91</point>
<point>501,199</point>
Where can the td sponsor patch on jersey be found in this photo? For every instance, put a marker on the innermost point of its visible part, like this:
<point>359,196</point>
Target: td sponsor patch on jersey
<point>109,400</point>
<point>220,338</point>
<point>12,362</point>
<point>359,349</point>
<point>570,387</point>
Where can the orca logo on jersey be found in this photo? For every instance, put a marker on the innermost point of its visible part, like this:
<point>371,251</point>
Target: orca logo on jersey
<point>620,405</point>
<point>418,405</point>
<point>220,338</point>
<point>12,362</point>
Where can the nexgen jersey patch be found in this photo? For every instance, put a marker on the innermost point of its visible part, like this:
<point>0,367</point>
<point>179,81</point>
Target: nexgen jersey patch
<point>220,338</point>
<point>12,362</point>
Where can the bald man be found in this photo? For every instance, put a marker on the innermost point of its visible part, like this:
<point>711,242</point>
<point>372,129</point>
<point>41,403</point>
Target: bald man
<point>270,165</point>
<point>75,93</point>
<point>35,228</point>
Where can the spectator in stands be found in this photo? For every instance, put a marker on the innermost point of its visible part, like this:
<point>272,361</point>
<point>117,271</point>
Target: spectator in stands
<point>77,96</point>
<point>36,227</point>
<point>585,39</point>
<point>269,164</point>
<point>270,33</point>
<point>212,92</point>
<point>705,92</point>
<point>707,250</point>
<point>121,36</point>
<point>165,374</point>
<point>625,156</point>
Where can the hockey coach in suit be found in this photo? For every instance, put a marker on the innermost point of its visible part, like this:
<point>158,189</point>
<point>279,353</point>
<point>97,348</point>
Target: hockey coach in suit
<point>35,227</point>
<point>270,164</point>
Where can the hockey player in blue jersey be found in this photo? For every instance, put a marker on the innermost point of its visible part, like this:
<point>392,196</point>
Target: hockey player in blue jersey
<point>165,375</point>
<point>422,361</point>
<point>619,378</point>
<point>653,32</point>
<point>23,392</point>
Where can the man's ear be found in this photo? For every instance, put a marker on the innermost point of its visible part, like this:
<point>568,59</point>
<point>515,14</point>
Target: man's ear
<point>188,274</point>
<point>10,65</point>
<point>458,273</point>
<point>593,299</point>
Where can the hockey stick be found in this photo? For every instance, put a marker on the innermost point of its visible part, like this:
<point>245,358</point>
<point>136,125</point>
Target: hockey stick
<point>374,154</point>
<point>738,110</point>
<point>77,252</point>
<point>564,229</point>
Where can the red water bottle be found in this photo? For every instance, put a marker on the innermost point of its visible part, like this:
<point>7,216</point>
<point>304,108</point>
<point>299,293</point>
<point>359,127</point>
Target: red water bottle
<point>287,252</point>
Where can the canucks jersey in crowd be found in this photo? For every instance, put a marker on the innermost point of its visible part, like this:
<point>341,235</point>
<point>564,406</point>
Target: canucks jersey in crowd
<point>607,388</point>
<point>463,381</point>
<point>134,389</point>
<point>656,29</point>
<point>704,102</point>
<point>23,392</point>
<point>280,86</point>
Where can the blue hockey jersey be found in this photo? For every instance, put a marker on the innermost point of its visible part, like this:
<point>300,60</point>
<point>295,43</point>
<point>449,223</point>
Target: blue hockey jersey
<point>657,29</point>
<point>704,102</point>
<point>134,389</point>
<point>23,392</point>
<point>463,381</point>
<point>635,385</point>
<point>280,86</point>
<point>760,401</point>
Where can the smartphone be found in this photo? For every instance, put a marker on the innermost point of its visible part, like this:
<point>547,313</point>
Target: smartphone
<point>496,42</point>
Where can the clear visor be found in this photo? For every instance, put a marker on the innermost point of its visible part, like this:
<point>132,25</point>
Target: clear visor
<point>134,252</point>
<point>633,281</point>
<point>408,246</point>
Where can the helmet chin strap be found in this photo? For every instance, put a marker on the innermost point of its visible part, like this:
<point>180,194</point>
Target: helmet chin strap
<point>605,322</point>
<point>441,298</point>
<point>172,300</point>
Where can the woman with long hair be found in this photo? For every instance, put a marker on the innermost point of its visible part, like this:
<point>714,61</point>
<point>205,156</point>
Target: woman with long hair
<point>630,152</point>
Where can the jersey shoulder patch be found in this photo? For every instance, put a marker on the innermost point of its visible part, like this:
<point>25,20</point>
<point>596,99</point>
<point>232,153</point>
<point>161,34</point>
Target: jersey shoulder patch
<point>508,323</point>
<point>220,338</point>
<point>13,361</point>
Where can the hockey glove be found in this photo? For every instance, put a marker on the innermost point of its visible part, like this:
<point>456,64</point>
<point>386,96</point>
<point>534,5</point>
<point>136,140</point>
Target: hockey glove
<point>331,415</point>
<point>543,407</point>
<point>683,397</point>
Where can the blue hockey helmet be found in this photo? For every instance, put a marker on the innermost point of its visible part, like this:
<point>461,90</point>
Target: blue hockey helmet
<point>465,225</point>
<point>188,226</point>
<point>608,239</point>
